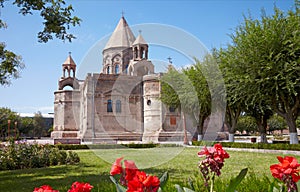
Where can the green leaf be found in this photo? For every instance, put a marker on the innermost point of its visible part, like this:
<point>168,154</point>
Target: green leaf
<point>179,189</point>
<point>163,179</point>
<point>187,190</point>
<point>236,181</point>
<point>298,185</point>
<point>119,187</point>
<point>191,184</point>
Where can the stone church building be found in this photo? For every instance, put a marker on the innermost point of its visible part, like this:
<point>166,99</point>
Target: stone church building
<point>120,103</point>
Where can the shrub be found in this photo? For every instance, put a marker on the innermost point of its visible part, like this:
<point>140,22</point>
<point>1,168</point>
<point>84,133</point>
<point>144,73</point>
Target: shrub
<point>277,146</point>
<point>18,155</point>
<point>72,158</point>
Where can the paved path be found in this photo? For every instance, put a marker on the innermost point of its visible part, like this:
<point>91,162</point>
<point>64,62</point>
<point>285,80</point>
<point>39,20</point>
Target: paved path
<point>284,152</point>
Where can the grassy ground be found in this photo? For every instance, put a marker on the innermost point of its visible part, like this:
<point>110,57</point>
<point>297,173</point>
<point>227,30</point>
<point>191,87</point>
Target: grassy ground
<point>95,165</point>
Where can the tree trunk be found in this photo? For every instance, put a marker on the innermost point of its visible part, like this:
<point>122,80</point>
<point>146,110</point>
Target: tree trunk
<point>200,137</point>
<point>200,127</point>
<point>263,138</point>
<point>292,128</point>
<point>185,139</point>
<point>294,138</point>
<point>232,130</point>
<point>233,118</point>
<point>231,137</point>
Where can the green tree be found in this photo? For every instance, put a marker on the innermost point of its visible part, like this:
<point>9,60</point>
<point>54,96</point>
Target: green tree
<point>246,123</point>
<point>177,92</point>
<point>261,114</point>
<point>57,21</point>
<point>276,123</point>
<point>7,115</point>
<point>39,125</point>
<point>235,99</point>
<point>189,91</point>
<point>26,125</point>
<point>265,62</point>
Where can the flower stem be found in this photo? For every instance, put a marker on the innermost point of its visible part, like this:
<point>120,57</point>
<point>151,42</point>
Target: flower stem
<point>212,183</point>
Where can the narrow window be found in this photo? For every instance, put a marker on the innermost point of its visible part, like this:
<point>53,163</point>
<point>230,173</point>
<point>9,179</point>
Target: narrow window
<point>118,106</point>
<point>126,69</point>
<point>117,69</point>
<point>107,70</point>
<point>172,120</point>
<point>109,106</point>
<point>172,109</point>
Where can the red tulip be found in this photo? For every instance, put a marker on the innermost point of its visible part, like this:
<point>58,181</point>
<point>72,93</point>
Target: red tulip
<point>116,167</point>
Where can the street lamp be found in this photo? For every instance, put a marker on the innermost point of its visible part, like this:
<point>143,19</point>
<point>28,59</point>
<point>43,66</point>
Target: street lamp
<point>16,123</point>
<point>8,129</point>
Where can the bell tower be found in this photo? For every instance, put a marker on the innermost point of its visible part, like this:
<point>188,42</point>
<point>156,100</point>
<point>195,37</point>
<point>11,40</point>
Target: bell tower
<point>67,105</point>
<point>140,48</point>
<point>68,79</point>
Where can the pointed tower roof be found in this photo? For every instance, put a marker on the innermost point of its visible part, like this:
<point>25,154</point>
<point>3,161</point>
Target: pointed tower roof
<point>122,36</point>
<point>69,60</point>
<point>140,40</point>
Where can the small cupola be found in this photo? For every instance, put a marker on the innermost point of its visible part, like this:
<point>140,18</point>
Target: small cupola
<point>140,48</point>
<point>69,66</point>
<point>68,77</point>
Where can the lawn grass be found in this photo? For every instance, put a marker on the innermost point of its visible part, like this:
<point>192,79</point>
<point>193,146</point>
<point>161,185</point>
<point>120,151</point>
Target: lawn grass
<point>181,163</point>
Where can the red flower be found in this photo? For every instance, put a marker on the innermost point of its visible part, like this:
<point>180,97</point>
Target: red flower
<point>134,179</point>
<point>217,153</point>
<point>213,162</point>
<point>117,167</point>
<point>143,183</point>
<point>44,188</point>
<point>287,170</point>
<point>130,169</point>
<point>80,187</point>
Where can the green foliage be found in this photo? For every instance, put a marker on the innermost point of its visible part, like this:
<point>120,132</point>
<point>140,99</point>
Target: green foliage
<point>192,89</point>
<point>163,180</point>
<point>277,146</point>
<point>276,122</point>
<point>58,19</point>
<point>22,156</point>
<point>71,147</point>
<point>5,115</point>
<point>261,65</point>
<point>247,123</point>
<point>72,158</point>
<point>95,170</point>
<point>39,125</point>
<point>10,65</point>
<point>141,145</point>
<point>236,181</point>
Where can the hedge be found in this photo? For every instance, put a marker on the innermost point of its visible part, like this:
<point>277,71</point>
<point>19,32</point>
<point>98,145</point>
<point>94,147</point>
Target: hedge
<point>277,146</point>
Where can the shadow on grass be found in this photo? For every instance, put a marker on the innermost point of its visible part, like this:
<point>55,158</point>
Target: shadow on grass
<point>59,177</point>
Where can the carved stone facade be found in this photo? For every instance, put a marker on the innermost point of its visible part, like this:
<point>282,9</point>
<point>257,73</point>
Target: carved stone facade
<point>120,103</point>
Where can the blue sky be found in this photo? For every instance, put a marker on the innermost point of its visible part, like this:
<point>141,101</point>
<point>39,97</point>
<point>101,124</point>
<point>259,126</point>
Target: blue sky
<point>208,21</point>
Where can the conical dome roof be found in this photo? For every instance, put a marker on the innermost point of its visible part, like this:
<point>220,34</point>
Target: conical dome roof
<point>122,36</point>
<point>140,40</point>
<point>69,60</point>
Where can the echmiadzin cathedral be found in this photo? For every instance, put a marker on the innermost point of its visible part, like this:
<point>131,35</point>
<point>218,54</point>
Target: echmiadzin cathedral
<point>121,103</point>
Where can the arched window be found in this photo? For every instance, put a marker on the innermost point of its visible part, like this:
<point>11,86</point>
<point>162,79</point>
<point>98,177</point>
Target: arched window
<point>107,70</point>
<point>109,106</point>
<point>126,69</point>
<point>117,69</point>
<point>118,106</point>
